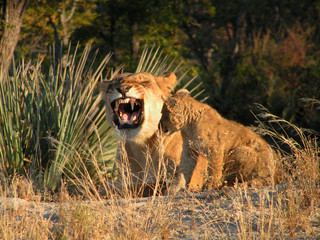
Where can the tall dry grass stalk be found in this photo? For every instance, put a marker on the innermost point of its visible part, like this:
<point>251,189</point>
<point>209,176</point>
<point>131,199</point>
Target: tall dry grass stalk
<point>78,210</point>
<point>287,210</point>
<point>298,168</point>
<point>150,182</point>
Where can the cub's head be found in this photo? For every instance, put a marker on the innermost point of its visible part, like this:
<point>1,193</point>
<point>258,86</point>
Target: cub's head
<point>133,103</point>
<point>173,112</point>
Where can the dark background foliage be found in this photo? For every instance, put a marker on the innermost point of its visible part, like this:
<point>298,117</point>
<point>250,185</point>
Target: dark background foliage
<point>244,51</point>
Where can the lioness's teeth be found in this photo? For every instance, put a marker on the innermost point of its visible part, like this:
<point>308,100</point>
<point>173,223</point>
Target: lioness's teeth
<point>131,120</point>
<point>132,104</point>
<point>120,121</point>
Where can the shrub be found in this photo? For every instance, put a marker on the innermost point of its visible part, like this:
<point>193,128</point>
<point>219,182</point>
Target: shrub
<point>47,122</point>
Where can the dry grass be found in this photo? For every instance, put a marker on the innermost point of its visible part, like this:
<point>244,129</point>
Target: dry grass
<point>287,210</point>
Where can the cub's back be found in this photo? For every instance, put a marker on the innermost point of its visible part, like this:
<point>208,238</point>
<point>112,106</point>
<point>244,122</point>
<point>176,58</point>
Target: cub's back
<point>210,125</point>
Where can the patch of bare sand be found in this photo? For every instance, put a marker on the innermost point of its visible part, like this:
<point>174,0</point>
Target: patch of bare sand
<point>242,213</point>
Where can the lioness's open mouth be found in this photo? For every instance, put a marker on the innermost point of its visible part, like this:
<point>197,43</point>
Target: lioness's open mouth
<point>128,112</point>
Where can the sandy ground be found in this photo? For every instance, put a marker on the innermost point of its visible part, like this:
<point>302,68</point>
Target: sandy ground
<point>228,214</point>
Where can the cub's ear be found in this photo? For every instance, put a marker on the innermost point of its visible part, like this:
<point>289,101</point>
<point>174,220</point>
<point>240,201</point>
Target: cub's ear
<point>183,91</point>
<point>169,101</point>
<point>166,82</point>
<point>164,98</point>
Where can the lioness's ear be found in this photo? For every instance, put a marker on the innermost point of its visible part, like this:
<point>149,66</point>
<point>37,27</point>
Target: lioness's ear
<point>103,89</point>
<point>166,82</point>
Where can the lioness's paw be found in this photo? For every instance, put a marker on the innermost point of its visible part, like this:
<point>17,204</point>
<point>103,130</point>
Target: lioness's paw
<point>178,184</point>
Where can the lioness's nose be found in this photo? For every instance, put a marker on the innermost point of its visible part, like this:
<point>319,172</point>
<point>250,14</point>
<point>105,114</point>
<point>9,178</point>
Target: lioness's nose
<point>123,89</point>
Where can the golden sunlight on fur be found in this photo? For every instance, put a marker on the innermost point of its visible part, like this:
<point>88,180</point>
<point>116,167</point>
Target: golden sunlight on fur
<point>216,151</point>
<point>133,104</point>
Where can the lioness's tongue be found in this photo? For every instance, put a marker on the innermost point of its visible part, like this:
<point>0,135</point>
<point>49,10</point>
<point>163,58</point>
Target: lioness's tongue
<point>125,117</point>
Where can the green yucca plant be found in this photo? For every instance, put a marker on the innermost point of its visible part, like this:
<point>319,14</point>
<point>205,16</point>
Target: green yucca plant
<point>20,120</point>
<point>154,61</point>
<point>54,125</point>
<point>83,133</point>
<point>41,115</point>
<point>14,123</point>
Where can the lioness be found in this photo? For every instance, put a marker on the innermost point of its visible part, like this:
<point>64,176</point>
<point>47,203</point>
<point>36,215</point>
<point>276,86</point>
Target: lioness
<point>215,150</point>
<point>133,104</point>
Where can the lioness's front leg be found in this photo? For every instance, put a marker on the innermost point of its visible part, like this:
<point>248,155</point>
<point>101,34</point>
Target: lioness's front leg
<point>183,175</point>
<point>178,183</point>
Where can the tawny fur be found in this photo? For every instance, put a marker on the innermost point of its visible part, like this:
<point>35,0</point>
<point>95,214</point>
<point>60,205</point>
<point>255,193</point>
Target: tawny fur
<point>216,151</point>
<point>142,148</point>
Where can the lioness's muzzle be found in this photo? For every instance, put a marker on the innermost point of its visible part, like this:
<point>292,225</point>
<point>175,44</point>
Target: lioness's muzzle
<point>128,112</point>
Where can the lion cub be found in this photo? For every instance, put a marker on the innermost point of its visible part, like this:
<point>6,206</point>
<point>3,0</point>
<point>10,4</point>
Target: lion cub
<point>216,151</point>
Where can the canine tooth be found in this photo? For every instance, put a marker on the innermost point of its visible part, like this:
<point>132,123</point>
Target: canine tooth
<point>131,120</point>
<point>117,105</point>
<point>132,104</point>
<point>120,121</point>
<point>125,100</point>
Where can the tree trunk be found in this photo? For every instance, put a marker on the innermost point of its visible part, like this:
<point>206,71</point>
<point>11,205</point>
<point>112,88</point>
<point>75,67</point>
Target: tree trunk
<point>235,50</point>
<point>13,11</point>
<point>57,43</point>
<point>197,48</point>
<point>135,42</point>
<point>64,22</point>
